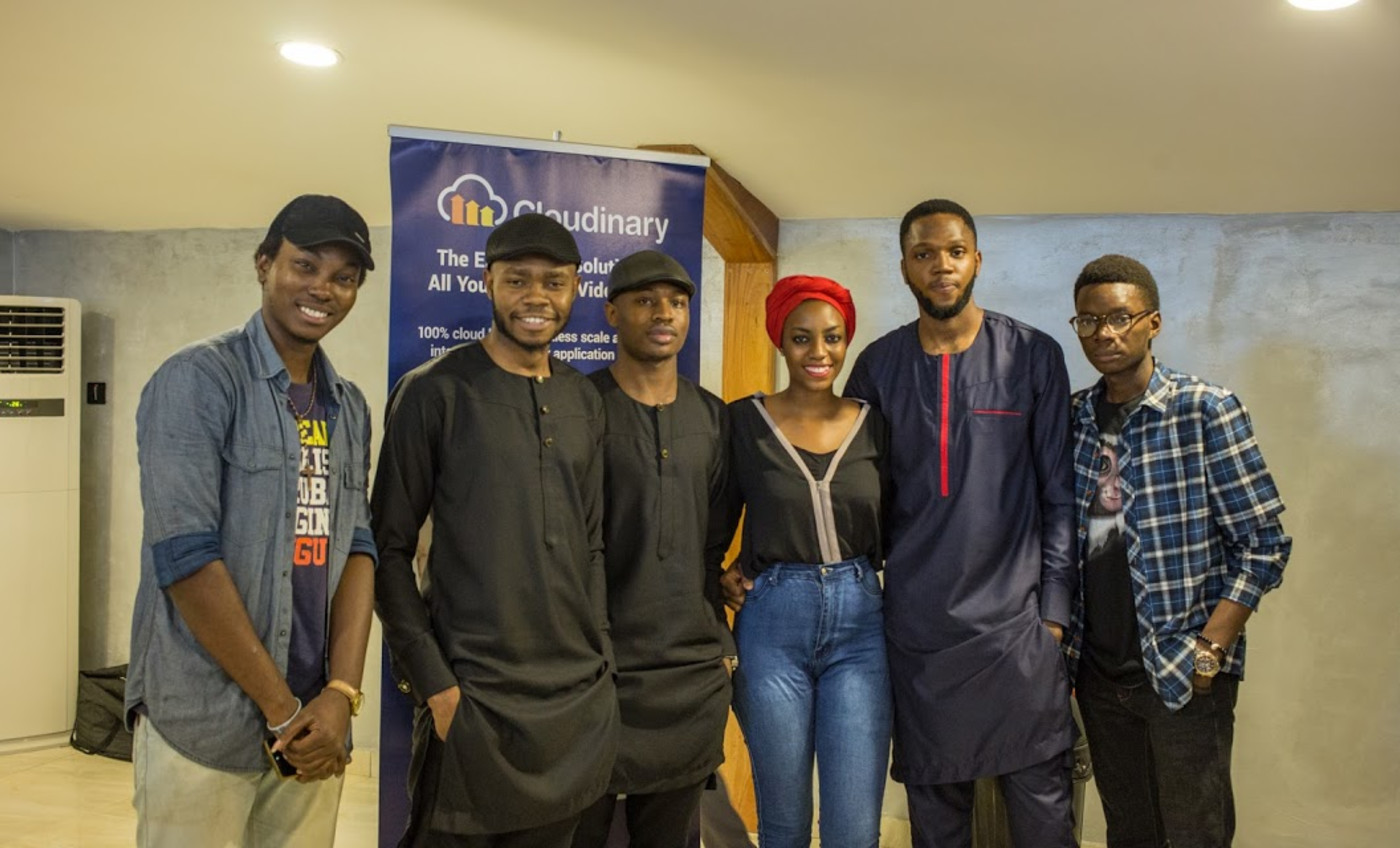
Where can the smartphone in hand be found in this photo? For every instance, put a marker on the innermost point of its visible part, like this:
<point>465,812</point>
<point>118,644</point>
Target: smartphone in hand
<point>279,761</point>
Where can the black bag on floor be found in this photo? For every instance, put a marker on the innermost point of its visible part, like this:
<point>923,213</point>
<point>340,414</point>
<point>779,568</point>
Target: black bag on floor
<point>99,727</point>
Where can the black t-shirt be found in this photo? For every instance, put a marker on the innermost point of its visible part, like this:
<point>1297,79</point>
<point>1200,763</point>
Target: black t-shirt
<point>306,659</point>
<point>1111,643</point>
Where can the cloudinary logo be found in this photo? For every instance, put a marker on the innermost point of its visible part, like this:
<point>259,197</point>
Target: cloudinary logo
<point>471,202</point>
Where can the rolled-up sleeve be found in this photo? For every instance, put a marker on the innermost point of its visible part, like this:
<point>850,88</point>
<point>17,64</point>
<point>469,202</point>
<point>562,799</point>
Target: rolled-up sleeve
<point>1245,504</point>
<point>180,426</point>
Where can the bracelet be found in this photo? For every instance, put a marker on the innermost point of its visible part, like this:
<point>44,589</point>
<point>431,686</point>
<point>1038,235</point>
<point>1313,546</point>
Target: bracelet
<point>282,728</point>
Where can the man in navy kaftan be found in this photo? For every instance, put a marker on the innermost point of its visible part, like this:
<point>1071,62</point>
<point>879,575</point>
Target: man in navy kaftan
<point>979,575</point>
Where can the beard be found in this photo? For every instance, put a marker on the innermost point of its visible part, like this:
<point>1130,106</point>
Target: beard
<point>942,313</point>
<point>503,326</point>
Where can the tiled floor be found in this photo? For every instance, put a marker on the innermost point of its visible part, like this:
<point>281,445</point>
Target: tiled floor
<point>60,798</point>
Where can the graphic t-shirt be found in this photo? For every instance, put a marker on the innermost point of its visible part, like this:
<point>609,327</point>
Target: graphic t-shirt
<point>310,550</point>
<point>1111,643</point>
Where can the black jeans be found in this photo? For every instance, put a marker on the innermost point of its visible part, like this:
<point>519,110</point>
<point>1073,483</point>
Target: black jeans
<point>1163,776</point>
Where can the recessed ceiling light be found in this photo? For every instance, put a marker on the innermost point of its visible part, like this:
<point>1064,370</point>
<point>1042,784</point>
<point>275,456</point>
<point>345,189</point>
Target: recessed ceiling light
<point>306,53</point>
<point>1322,5</point>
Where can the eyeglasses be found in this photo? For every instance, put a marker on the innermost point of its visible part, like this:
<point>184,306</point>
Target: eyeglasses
<point>1087,324</point>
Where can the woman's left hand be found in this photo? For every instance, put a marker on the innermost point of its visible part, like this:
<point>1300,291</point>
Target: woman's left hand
<point>735,587</point>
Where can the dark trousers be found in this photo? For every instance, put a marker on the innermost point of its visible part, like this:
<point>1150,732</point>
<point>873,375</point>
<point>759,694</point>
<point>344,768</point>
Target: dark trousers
<point>1039,807</point>
<point>1162,776</point>
<point>554,835</point>
<point>654,820</point>
<point>720,825</point>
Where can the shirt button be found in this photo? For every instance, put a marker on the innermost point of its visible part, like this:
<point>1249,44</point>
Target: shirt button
<point>665,453</point>
<point>285,573</point>
<point>544,410</point>
<point>282,633</point>
<point>549,441</point>
<point>539,379</point>
<point>404,687</point>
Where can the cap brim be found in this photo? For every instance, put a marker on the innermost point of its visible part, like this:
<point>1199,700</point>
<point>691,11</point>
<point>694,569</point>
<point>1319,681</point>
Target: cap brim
<point>366,260</point>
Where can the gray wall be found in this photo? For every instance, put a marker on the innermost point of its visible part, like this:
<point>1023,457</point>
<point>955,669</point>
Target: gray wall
<point>1299,315</point>
<point>147,294</point>
<point>7,262</point>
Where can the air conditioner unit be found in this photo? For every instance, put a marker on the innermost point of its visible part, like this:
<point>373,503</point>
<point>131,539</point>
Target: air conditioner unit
<point>40,407</point>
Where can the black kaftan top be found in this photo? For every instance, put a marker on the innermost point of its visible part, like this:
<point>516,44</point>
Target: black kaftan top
<point>791,514</point>
<point>512,607</point>
<point>664,467</point>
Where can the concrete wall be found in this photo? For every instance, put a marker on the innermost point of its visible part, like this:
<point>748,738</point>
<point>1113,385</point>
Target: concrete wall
<point>1299,315</point>
<point>7,262</point>
<point>145,295</point>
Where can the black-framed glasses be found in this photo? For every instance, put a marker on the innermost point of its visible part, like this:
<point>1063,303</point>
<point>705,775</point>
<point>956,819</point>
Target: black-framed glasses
<point>1085,324</point>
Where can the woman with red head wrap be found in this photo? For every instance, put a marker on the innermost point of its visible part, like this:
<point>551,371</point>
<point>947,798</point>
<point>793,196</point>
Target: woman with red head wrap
<point>808,468</point>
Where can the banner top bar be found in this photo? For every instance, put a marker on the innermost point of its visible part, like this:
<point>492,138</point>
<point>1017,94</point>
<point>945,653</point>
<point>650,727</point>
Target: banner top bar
<point>548,146</point>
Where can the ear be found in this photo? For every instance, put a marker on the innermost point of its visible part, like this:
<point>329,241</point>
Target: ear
<point>1154,325</point>
<point>261,264</point>
<point>977,262</point>
<point>610,313</point>
<point>490,282</point>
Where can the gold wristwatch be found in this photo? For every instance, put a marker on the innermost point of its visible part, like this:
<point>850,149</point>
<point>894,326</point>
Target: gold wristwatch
<point>1207,660</point>
<point>355,696</point>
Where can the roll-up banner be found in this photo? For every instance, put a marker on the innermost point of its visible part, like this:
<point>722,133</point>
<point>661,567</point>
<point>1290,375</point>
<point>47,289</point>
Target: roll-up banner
<point>450,190</point>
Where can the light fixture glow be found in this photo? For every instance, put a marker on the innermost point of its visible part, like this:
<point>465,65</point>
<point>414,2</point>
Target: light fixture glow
<point>1322,5</point>
<point>306,53</point>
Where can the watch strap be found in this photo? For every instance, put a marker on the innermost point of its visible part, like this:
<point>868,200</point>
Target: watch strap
<point>353,695</point>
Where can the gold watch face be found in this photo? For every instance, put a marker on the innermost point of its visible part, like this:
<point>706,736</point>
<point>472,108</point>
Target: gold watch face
<point>1206,664</point>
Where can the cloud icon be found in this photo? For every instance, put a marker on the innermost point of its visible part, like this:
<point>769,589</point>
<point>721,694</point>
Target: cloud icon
<point>456,188</point>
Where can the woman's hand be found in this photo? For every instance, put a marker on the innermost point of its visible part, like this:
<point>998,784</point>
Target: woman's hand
<point>735,587</point>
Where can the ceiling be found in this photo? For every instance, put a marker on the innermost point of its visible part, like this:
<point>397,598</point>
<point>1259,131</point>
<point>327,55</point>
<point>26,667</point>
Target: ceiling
<point>151,114</point>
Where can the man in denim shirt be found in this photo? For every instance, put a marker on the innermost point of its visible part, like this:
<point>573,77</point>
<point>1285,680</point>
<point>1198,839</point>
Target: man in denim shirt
<point>1179,539</point>
<point>257,564</point>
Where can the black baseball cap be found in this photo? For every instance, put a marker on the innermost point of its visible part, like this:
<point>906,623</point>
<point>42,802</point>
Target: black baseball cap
<point>315,219</point>
<point>644,268</point>
<point>532,234</point>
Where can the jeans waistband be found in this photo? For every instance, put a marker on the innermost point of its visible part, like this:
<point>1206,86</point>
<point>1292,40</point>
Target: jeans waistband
<point>854,567</point>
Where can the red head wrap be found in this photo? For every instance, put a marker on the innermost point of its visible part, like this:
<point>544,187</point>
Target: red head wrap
<point>789,292</point>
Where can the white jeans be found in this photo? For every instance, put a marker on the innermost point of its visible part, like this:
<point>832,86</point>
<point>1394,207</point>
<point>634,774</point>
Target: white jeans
<point>182,804</point>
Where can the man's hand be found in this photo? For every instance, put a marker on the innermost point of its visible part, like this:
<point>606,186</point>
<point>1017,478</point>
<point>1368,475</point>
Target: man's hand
<point>1200,684</point>
<point>444,708</point>
<point>315,740</point>
<point>1056,630</point>
<point>735,587</point>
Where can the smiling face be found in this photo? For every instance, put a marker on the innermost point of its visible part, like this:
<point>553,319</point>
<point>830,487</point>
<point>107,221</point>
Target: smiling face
<point>1126,355</point>
<point>531,298</point>
<point>307,291</point>
<point>651,321</point>
<point>940,264</point>
<point>814,345</point>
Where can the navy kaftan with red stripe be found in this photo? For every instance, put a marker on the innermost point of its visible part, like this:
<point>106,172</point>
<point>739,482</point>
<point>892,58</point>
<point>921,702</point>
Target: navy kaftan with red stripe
<point>980,548</point>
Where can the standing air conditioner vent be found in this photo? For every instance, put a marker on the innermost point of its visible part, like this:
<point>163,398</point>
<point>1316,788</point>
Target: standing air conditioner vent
<point>31,339</point>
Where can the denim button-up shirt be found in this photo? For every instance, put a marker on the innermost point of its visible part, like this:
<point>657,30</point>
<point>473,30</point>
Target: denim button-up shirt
<point>220,455</point>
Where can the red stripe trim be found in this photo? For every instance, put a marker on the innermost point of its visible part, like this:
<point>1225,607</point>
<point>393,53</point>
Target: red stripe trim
<point>943,429</point>
<point>996,412</point>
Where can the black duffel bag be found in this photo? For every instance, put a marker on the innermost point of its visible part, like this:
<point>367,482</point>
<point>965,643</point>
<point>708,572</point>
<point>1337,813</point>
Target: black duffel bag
<point>99,727</point>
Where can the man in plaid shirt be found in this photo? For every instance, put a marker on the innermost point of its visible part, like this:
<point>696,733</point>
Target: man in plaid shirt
<point>1179,539</point>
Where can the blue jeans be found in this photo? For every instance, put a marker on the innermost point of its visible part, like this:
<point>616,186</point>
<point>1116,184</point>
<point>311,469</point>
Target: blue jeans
<point>1163,776</point>
<point>813,682</point>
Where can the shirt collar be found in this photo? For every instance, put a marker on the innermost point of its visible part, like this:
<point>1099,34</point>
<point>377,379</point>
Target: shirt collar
<point>1159,390</point>
<point>268,361</point>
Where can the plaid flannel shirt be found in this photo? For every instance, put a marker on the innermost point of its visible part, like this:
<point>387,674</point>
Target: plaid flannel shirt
<point>1201,515</point>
